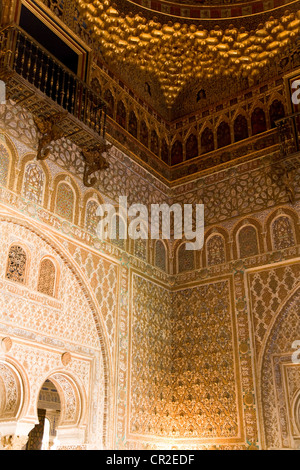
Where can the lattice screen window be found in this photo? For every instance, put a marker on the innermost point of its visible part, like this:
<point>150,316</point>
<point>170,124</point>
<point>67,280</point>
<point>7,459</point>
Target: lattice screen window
<point>33,185</point>
<point>160,255</point>
<point>140,248</point>
<point>91,218</point>
<point>47,277</point>
<point>120,233</point>
<point>4,165</point>
<point>283,234</point>
<point>65,202</point>
<point>215,250</point>
<point>248,241</point>
<point>186,259</point>
<point>16,264</point>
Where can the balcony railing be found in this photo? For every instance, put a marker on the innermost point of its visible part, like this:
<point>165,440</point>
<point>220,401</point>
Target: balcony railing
<point>289,133</point>
<point>44,85</point>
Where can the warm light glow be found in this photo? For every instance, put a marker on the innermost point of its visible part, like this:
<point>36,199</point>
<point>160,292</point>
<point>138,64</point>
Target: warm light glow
<point>46,435</point>
<point>55,444</point>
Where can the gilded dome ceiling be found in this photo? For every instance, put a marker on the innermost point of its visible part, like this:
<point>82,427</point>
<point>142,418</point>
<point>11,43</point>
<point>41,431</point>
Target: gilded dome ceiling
<point>175,58</point>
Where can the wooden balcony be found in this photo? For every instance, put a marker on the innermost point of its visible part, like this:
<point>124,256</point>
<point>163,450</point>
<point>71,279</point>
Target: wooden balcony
<point>44,86</point>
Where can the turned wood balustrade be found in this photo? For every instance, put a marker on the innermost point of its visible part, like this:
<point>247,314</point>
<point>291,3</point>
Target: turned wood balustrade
<point>45,86</point>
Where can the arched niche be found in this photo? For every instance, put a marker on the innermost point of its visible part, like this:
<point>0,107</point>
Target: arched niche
<point>273,387</point>
<point>185,259</point>
<point>281,229</point>
<point>247,237</point>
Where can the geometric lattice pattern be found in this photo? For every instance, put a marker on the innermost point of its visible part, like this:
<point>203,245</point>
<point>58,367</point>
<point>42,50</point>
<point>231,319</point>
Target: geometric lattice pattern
<point>215,250</point>
<point>92,220</point>
<point>140,248</point>
<point>16,264</point>
<point>150,395</point>
<point>103,277</point>
<point>283,235</point>
<point>176,385</point>
<point>186,259</point>
<point>46,283</point>
<point>160,255</point>
<point>205,395</point>
<point>268,289</point>
<point>4,165</point>
<point>65,202</point>
<point>248,242</point>
<point>33,183</point>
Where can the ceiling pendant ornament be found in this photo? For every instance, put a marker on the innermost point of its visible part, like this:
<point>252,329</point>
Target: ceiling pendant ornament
<point>176,54</point>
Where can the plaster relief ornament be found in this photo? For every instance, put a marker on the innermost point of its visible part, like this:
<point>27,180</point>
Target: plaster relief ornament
<point>286,177</point>
<point>11,442</point>
<point>6,344</point>
<point>94,161</point>
<point>49,131</point>
<point>288,180</point>
<point>66,358</point>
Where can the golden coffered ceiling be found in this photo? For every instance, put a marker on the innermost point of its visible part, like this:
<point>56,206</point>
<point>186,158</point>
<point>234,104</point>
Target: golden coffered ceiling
<point>165,60</point>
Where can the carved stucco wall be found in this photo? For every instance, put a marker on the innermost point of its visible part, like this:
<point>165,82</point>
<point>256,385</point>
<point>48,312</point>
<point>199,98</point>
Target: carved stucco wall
<point>44,328</point>
<point>150,359</point>
<point>164,338</point>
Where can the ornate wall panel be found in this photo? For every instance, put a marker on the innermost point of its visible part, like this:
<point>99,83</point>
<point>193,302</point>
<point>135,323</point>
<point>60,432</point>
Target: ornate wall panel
<point>65,202</point>
<point>268,290</point>
<point>103,278</point>
<point>206,403</point>
<point>186,259</point>
<point>43,329</point>
<point>279,377</point>
<point>150,398</point>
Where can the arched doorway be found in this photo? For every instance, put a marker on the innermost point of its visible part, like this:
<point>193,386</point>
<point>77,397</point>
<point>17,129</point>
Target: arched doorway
<point>43,435</point>
<point>280,379</point>
<point>60,410</point>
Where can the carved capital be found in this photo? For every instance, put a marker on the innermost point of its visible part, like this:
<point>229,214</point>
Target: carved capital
<point>10,442</point>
